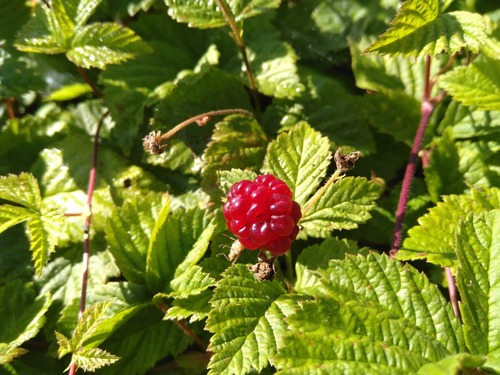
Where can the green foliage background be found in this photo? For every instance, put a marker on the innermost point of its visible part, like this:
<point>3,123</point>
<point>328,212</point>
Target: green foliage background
<point>328,74</point>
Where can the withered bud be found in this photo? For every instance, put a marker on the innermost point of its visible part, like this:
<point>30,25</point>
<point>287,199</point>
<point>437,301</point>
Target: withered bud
<point>152,143</point>
<point>264,269</point>
<point>344,162</point>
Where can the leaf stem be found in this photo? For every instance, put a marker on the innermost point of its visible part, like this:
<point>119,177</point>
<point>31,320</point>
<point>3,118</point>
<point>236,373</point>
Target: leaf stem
<point>337,175</point>
<point>9,102</point>
<point>427,107</point>
<point>229,16</point>
<point>87,79</point>
<point>86,230</point>
<point>452,289</point>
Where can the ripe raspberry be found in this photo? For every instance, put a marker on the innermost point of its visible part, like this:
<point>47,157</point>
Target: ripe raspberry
<point>262,214</point>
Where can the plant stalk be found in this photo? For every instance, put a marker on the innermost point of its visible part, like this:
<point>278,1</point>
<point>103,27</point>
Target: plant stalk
<point>229,16</point>
<point>452,290</point>
<point>98,93</point>
<point>335,176</point>
<point>427,107</point>
<point>86,230</point>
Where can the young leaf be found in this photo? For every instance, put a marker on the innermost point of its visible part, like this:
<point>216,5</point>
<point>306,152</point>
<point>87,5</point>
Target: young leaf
<point>8,353</point>
<point>421,28</point>
<point>22,190</point>
<point>477,84</point>
<point>192,281</point>
<point>478,253</point>
<point>344,205</point>
<point>247,319</point>
<point>93,359</point>
<point>300,158</point>
<point>205,13</point>
<point>100,44</point>
<point>92,317</point>
<point>374,315</point>
<point>195,307</point>
<point>434,237</point>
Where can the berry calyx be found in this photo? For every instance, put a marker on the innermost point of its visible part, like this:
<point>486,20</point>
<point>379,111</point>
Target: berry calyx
<point>262,214</point>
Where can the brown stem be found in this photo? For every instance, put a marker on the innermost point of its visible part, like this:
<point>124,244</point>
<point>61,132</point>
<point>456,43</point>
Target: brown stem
<point>86,230</point>
<point>87,79</point>
<point>229,16</point>
<point>188,331</point>
<point>452,289</point>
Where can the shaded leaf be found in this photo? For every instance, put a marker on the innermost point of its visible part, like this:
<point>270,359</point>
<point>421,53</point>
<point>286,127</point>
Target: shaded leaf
<point>195,307</point>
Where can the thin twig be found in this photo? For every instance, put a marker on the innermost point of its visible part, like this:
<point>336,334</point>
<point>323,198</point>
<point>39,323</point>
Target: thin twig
<point>335,176</point>
<point>427,107</point>
<point>86,230</point>
<point>9,102</point>
<point>229,16</point>
<point>452,289</point>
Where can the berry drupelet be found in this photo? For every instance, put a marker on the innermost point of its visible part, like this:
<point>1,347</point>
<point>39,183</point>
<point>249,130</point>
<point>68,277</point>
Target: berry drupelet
<point>262,214</point>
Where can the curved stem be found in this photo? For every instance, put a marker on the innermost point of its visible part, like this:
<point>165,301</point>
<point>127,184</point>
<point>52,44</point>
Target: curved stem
<point>452,289</point>
<point>86,230</point>
<point>9,102</point>
<point>335,176</point>
<point>229,16</point>
<point>427,107</point>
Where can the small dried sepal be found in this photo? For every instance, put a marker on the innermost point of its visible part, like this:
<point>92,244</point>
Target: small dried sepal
<point>264,269</point>
<point>152,143</point>
<point>345,162</point>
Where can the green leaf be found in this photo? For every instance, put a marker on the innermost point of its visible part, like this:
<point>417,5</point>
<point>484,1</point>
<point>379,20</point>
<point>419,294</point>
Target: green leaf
<point>317,257</point>
<point>12,215</point>
<point>22,190</point>
<point>8,353</point>
<point>477,84</point>
<point>128,233</point>
<point>344,205</point>
<point>374,315</point>
<point>230,177</point>
<point>91,318</point>
<point>100,44</point>
<point>177,243</point>
<point>93,359</point>
<point>273,61</point>
<point>236,141</point>
<point>300,158</point>
<point>434,237</point>
<point>193,280</point>
<point>195,307</point>
<point>478,251</point>
<point>205,14</point>
<point>247,320</point>
<point>70,92</point>
<point>453,365</point>
<point>42,230</point>
<point>18,75</point>
<point>420,29</point>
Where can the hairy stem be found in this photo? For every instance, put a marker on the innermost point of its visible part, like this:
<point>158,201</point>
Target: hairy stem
<point>427,107</point>
<point>229,16</point>
<point>452,289</point>
<point>86,228</point>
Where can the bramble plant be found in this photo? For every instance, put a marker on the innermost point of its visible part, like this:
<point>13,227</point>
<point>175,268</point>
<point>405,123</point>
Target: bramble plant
<point>145,143</point>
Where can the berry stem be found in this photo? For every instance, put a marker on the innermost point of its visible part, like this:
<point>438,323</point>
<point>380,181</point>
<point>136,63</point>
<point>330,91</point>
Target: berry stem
<point>289,266</point>
<point>452,289</point>
<point>337,175</point>
<point>229,16</point>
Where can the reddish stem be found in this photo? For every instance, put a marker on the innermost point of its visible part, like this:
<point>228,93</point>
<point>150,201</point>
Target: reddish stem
<point>452,289</point>
<point>86,229</point>
<point>87,79</point>
<point>9,102</point>
<point>427,107</point>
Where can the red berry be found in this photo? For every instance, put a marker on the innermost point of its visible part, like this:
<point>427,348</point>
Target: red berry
<point>262,214</point>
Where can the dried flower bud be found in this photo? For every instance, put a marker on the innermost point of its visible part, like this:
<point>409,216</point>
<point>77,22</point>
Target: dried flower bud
<point>344,162</point>
<point>152,143</point>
